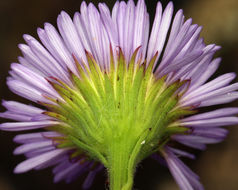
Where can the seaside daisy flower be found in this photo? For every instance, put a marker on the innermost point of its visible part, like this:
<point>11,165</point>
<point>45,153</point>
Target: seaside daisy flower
<point>111,92</point>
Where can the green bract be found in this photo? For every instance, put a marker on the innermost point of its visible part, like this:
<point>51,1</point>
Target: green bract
<point>117,117</point>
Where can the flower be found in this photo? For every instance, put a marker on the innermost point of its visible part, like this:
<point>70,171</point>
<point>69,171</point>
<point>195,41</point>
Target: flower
<point>112,93</point>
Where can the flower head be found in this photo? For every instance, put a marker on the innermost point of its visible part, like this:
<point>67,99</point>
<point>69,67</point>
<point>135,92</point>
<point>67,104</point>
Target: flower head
<point>111,93</point>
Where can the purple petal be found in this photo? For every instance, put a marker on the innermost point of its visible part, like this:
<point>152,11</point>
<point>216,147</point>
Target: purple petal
<point>181,62</point>
<point>215,84</point>
<point>204,74</point>
<point>38,160</point>
<point>211,95</point>
<point>32,146</point>
<point>21,108</point>
<point>66,170</point>
<point>159,30</point>
<point>37,152</point>
<point>185,178</point>
<point>14,116</point>
<point>216,133</point>
<point>181,153</point>
<point>97,38</point>
<point>110,26</point>
<point>141,28</point>
<point>54,68</point>
<point>201,136</point>
<point>34,137</point>
<point>198,139</point>
<point>188,142</point>
<point>212,114</point>
<point>128,29</point>
<point>58,49</point>
<point>120,23</point>
<point>28,64</point>
<point>216,122</point>
<point>159,159</point>
<point>182,38</point>
<point>81,31</point>
<point>70,36</point>
<point>89,180</point>
<point>189,72</point>
<point>33,59</point>
<point>50,163</point>
<point>25,90</point>
<point>221,99</point>
<point>33,79</point>
<point>90,177</point>
<point>176,26</point>
<point>20,126</point>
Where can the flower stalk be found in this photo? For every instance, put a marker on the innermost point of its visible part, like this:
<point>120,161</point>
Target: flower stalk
<point>124,155</point>
<point>119,165</point>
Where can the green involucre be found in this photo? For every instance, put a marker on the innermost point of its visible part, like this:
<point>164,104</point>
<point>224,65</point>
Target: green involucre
<point>117,117</point>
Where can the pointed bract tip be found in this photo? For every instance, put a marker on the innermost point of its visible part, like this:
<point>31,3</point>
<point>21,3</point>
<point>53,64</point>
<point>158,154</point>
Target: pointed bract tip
<point>88,54</point>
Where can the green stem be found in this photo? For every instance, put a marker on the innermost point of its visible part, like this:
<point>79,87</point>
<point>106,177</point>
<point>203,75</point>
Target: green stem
<point>124,155</point>
<point>120,174</point>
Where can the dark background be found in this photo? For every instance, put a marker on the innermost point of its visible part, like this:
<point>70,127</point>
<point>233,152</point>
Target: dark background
<point>217,166</point>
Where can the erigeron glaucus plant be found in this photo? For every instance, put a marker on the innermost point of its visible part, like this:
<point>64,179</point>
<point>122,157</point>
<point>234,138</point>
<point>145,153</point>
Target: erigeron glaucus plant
<point>111,93</point>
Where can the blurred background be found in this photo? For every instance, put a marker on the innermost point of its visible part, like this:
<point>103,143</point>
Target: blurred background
<point>217,166</point>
